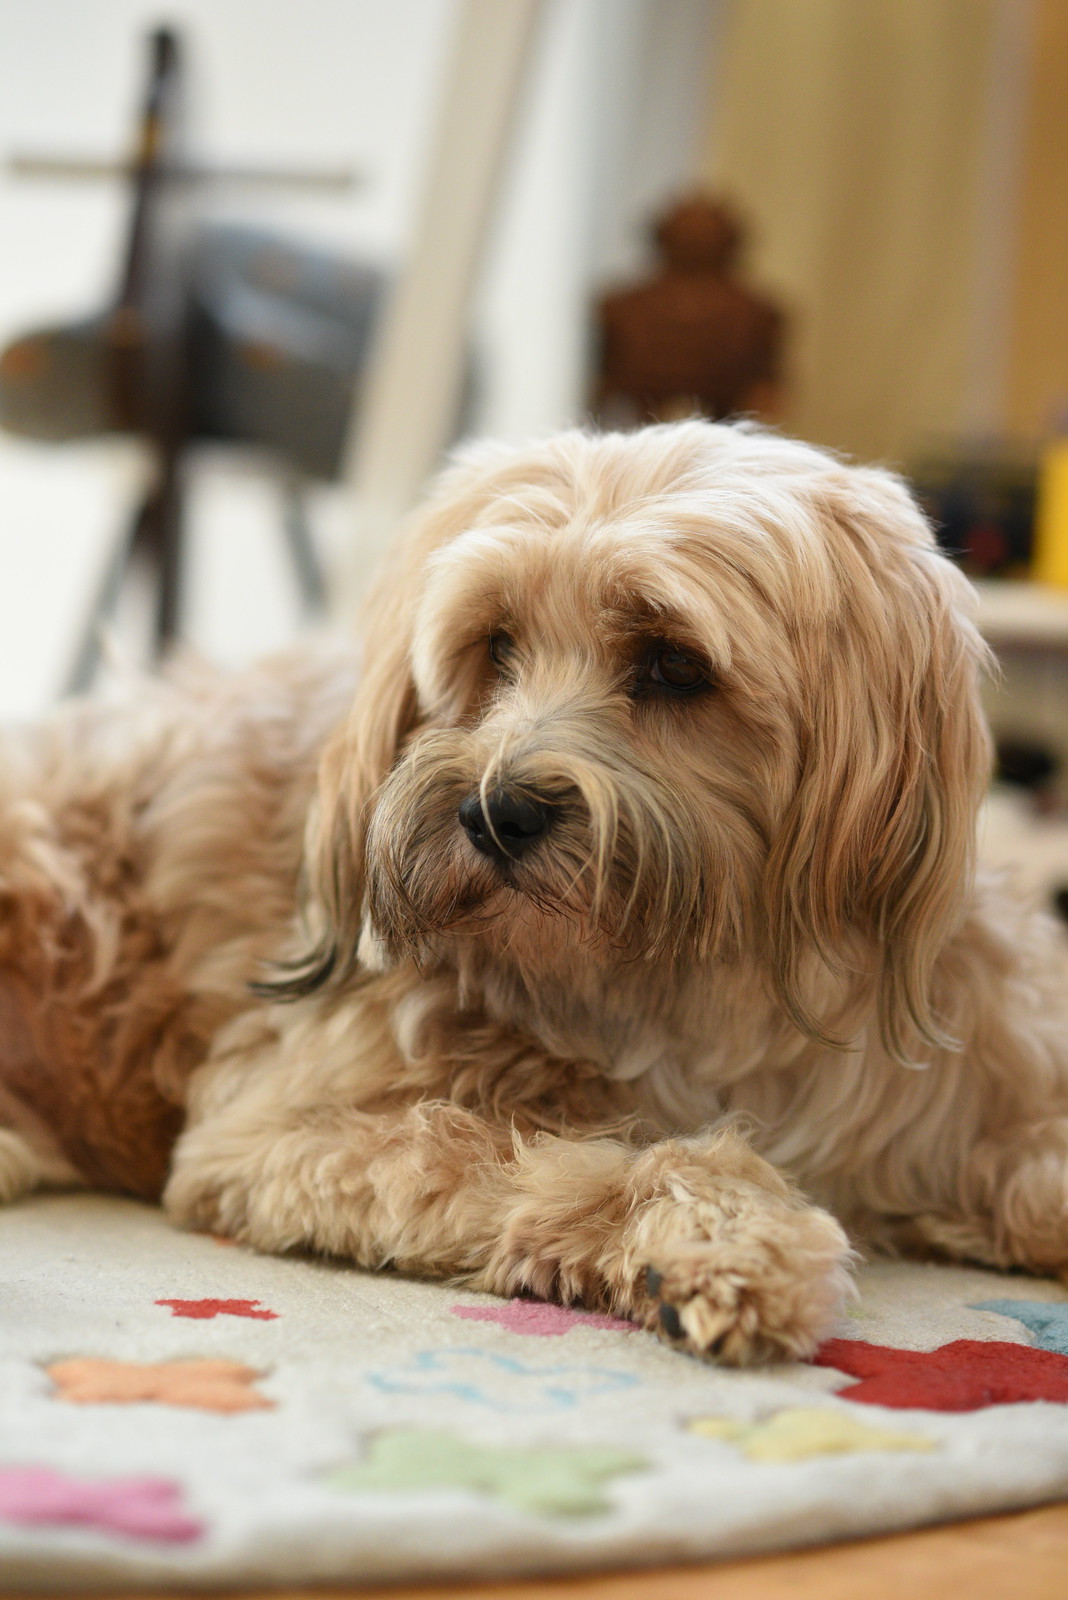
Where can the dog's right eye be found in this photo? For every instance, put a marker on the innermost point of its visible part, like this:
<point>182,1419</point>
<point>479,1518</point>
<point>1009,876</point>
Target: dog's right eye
<point>670,671</point>
<point>501,650</point>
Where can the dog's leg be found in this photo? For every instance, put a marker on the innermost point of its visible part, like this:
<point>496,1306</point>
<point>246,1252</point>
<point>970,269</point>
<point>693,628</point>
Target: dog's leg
<point>699,1238</point>
<point>1016,1215</point>
<point>23,1169</point>
<point>978,1166</point>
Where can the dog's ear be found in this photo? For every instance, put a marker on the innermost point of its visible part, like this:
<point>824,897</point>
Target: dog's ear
<point>876,849</point>
<point>360,754</point>
<point>355,762</point>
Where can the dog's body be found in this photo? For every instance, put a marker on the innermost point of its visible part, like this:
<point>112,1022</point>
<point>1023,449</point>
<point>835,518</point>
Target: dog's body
<point>638,875</point>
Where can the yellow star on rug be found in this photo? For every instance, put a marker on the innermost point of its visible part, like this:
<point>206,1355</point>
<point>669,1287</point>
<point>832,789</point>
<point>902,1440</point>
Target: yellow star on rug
<point>803,1431</point>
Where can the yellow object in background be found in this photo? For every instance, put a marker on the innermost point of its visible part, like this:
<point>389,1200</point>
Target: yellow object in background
<point>1051,523</point>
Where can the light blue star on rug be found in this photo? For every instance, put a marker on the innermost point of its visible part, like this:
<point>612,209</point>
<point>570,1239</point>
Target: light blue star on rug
<point>504,1383</point>
<point>1047,1320</point>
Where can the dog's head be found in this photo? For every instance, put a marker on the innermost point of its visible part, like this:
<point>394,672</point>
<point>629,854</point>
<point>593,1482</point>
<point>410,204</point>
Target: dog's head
<point>693,695</point>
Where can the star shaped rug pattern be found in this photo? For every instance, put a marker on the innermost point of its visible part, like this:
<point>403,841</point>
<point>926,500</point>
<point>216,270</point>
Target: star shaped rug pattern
<point>501,1383</point>
<point>561,1482</point>
<point>1047,1320</point>
<point>540,1318</point>
<point>140,1508</point>
<point>203,1385</point>
<point>204,1310</point>
<point>966,1375</point>
<point>801,1432</point>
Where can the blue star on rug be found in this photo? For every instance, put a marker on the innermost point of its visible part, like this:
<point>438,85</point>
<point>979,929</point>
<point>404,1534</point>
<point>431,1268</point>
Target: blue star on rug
<point>1046,1319</point>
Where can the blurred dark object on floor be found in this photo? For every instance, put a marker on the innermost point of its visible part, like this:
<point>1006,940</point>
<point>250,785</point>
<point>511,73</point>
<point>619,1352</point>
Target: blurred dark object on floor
<point>217,333</point>
<point>1060,902</point>
<point>691,339</point>
<point>1026,764</point>
<point>983,510</point>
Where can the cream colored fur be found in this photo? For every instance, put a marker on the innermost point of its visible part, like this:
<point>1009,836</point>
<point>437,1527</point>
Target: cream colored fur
<point>747,979</point>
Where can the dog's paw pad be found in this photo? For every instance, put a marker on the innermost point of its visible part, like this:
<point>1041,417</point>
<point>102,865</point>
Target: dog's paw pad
<point>708,1298</point>
<point>693,1322</point>
<point>670,1321</point>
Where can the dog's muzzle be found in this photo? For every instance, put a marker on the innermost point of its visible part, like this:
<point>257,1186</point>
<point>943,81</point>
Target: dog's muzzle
<point>507,824</point>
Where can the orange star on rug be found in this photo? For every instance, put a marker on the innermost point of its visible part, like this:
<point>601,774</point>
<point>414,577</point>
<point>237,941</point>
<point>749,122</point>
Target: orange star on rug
<point>201,1385</point>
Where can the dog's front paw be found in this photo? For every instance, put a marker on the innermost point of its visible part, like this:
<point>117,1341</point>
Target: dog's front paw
<point>764,1286</point>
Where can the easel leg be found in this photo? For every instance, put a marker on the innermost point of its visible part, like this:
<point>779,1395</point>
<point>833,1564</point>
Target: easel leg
<point>311,580</point>
<point>154,539</point>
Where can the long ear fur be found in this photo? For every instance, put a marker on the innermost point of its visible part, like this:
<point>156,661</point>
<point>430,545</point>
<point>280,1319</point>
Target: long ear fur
<point>879,838</point>
<point>356,761</point>
<point>359,756</point>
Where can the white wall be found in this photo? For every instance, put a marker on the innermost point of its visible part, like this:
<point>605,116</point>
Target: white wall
<point>612,126</point>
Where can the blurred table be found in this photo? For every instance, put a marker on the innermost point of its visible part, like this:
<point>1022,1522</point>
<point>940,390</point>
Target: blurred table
<point>1023,616</point>
<point>1027,626</point>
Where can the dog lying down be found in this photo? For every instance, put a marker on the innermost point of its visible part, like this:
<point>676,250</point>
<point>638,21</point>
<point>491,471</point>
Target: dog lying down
<point>613,935</point>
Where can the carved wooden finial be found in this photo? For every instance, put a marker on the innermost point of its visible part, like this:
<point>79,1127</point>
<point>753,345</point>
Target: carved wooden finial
<point>691,338</point>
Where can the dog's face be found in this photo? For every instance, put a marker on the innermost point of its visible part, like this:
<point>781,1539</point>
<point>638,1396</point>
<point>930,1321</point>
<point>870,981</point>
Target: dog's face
<point>694,695</point>
<point>602,749</point>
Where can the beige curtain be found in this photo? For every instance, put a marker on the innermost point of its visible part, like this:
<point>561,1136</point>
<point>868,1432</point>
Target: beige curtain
<point>855,134</point>
<point>1036,402</point>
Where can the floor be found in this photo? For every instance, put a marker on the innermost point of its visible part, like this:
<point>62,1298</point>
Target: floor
<point>62,511</point>
<point>1025,1555</point>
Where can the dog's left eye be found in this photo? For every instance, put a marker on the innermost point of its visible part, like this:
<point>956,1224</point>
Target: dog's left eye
<point>501,649</point>
<point>675,670</point>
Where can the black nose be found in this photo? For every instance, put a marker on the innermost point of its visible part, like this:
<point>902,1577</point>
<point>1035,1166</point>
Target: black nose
<point>507,824</point>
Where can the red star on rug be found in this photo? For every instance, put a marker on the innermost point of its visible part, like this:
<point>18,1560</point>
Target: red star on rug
<point>203,1309</point>
<point>963,1376</point>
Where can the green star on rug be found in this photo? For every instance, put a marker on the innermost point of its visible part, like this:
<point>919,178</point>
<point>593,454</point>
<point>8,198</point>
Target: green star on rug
<point>1046,1319</point>
<point>550,1481</point>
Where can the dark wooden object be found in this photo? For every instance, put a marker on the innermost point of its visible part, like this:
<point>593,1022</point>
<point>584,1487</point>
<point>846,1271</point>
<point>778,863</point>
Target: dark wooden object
<point>691,338</point>
<point>146,359</point>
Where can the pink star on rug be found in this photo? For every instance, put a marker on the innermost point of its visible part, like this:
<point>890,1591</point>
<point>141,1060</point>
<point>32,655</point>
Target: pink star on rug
<point>143,1508</point>
<point>218,1308</point>
<point>540,1318</point>
<point>963,1376</point>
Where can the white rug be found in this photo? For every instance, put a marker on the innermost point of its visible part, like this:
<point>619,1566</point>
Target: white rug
<point>329,1425</point>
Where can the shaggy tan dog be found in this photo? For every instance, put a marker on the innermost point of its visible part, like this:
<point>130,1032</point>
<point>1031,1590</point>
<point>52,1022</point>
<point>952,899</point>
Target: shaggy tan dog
<point>636,889</point>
